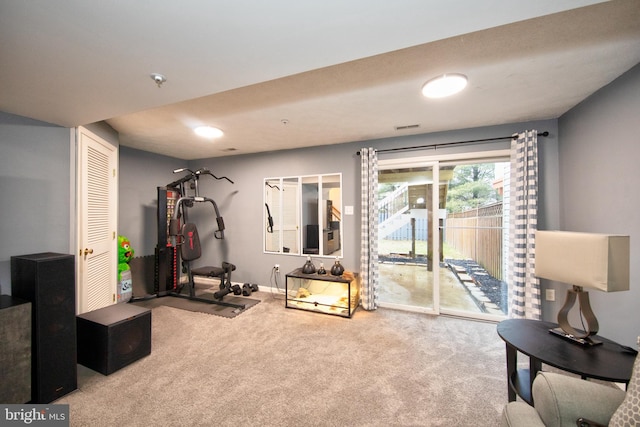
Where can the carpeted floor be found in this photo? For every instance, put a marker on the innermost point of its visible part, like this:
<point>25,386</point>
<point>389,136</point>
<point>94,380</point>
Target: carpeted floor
<point>274,366</point>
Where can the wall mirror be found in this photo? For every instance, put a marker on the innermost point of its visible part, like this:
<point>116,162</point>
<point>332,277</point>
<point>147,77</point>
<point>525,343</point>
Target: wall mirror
<point>282,215</point>
<point>303,215</point>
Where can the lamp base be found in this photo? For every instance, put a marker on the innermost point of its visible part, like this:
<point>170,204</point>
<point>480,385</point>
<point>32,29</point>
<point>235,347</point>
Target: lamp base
<point>587,342</point>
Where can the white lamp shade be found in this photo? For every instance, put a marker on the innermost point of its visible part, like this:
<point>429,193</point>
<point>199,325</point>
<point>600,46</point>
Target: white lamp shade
<point>599,261</point>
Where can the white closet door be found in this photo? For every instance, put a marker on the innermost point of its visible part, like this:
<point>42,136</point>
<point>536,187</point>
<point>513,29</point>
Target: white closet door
<point>96,283</point>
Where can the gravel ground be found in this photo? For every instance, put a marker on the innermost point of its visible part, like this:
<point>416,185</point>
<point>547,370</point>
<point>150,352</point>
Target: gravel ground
<point>494,289</point>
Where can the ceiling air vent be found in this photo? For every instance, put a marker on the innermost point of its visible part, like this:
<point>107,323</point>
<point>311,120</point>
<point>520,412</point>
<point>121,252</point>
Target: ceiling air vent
<point>407,127</point>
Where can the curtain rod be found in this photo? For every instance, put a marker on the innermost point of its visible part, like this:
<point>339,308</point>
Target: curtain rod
<point>446,144</point>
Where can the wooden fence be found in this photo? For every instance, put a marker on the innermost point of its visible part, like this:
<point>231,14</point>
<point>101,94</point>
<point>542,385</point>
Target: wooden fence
<point>477,234</point>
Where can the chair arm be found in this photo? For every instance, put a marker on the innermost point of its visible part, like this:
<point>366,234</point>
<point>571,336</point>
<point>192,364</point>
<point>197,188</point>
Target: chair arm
<point>519,414</point>
<point>560,399</point>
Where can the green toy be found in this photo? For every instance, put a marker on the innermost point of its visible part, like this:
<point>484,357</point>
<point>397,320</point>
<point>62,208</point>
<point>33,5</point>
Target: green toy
<point>125,254</point>
<point>125,282</point>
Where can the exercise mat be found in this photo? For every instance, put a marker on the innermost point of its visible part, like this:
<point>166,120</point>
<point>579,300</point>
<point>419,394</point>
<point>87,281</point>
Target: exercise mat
<point>202,307</point>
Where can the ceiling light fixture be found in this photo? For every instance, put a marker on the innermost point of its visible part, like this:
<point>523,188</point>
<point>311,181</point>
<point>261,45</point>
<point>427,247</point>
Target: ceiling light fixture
<point>208,132</point>
<point>444,85</point>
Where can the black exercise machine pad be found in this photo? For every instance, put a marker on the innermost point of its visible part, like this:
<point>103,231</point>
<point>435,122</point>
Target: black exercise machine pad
<point>190,248</point>
<point>202,307</point>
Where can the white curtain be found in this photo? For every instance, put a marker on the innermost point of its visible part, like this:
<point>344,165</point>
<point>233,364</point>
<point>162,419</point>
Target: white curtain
<point>524,287</point>
<point>369,229</point>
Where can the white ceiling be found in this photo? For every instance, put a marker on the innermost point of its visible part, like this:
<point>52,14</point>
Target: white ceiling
<point>337,70</point>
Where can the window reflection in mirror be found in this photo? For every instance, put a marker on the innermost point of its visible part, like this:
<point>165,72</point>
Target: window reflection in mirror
<point>303,215</point>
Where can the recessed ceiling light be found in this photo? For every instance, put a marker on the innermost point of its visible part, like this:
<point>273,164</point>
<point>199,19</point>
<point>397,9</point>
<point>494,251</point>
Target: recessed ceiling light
<point>444,85</point>
<point>208,132</point>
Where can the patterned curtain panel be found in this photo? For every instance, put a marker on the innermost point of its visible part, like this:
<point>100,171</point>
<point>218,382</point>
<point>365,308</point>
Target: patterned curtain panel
<point>369,229</point>
<point>524,287</point>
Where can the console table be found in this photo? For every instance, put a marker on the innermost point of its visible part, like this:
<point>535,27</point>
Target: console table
<point>608,361</point>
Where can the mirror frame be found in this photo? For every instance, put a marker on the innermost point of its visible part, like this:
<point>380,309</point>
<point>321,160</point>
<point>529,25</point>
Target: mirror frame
<point>329,229</point>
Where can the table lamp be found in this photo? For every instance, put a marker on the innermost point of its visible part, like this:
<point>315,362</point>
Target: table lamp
<point>584,260</point>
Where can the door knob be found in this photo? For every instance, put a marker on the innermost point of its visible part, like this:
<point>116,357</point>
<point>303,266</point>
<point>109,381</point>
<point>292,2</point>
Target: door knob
<point>88,251</point>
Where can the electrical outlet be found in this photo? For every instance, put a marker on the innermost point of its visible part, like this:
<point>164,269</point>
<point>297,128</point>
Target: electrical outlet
<point>550,295</point>
<point>276,267</point>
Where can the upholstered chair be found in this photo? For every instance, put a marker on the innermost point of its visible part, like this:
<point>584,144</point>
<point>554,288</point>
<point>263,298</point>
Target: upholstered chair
<point>561,400</point>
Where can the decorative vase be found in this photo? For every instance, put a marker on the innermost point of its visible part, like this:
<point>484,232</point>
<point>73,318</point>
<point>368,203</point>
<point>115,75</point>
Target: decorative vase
<point>308,267</point>
<point>337,269</point>
<point>321,270</point>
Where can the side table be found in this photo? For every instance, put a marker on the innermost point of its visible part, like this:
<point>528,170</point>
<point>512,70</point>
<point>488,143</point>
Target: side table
<point>609,361</point>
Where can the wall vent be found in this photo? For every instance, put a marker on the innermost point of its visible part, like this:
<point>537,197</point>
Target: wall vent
<point>407,127</point>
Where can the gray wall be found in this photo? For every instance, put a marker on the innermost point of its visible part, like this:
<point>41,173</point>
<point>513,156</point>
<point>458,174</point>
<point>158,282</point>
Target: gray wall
<point>35,190</point>
<point>104,131</point>
<point>599,161</point>
<point>241,204</point>
<point>27,142</point>
<point>141,173</point>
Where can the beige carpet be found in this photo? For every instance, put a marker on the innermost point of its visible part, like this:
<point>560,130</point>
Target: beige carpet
<point>283,367</point>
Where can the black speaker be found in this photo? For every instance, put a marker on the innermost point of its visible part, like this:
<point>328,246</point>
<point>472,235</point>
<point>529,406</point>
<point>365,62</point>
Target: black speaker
<point>48,281</point>
<point>112,337</point>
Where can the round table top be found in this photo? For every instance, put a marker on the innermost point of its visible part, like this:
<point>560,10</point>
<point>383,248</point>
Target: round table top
<point>608,361</point>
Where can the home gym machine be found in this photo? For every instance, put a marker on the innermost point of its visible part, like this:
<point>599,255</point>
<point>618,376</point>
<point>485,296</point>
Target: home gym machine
<point>179,243</point>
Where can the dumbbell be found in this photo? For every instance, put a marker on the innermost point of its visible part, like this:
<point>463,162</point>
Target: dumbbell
<point>246,289</point>
<point>236,289</point>
<point>254,287</point>
<point>221,293</point>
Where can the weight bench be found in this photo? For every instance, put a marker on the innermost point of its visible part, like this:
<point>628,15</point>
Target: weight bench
<point>218,272</point>
<point>224,274</point>
<point>190,250</point>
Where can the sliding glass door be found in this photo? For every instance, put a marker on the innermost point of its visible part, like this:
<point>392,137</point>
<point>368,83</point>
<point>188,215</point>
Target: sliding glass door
<point>405,240</point>
<point>442,233</point>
